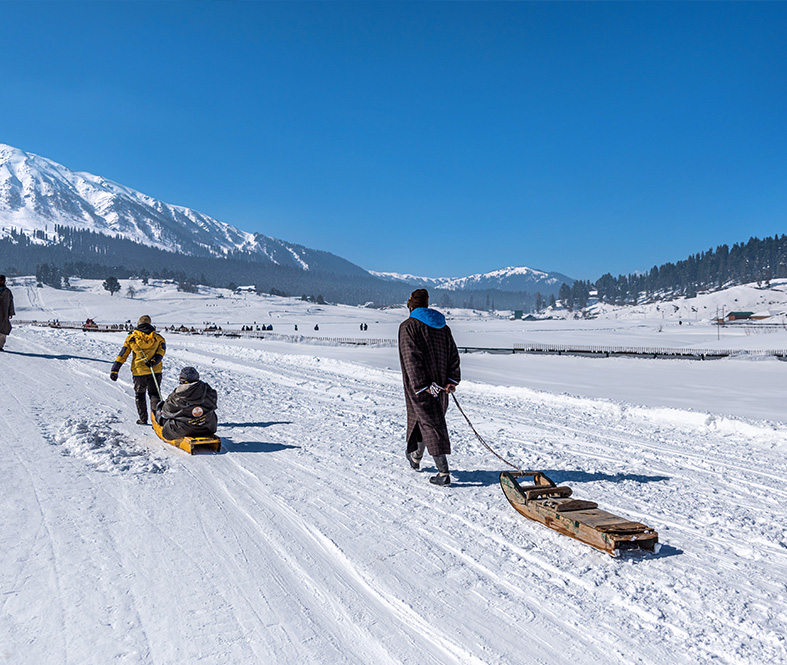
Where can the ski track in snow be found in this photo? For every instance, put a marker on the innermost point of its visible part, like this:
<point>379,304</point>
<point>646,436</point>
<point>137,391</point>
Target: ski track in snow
<point>309,539</point>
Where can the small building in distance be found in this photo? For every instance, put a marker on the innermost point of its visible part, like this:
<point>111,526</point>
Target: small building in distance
<point>739,316</point>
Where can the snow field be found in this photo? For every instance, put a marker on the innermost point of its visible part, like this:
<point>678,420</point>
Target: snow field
<point>310,538</point>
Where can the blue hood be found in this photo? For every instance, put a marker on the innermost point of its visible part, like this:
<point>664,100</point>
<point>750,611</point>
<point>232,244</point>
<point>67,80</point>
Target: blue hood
<point>431,317</point>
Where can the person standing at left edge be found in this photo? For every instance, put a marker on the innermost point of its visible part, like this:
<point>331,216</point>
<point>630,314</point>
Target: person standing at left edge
<point>6,311</point>
<point>147,348</point>
<point>430,370</point>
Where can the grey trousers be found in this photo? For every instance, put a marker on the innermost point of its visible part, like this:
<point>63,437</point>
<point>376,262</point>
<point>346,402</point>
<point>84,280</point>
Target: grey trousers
<point>2,340</point>
<point>441,461</point>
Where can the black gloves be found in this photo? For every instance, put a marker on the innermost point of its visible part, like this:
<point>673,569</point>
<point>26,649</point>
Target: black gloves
<point>113,375</point>
<point>155,360</point>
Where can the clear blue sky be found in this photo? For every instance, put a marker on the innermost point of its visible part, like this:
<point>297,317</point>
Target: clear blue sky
<point>440,139</point>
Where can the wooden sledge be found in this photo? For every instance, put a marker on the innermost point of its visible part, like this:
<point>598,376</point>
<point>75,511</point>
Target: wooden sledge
<point>553,506</point>
<point>191,444</point>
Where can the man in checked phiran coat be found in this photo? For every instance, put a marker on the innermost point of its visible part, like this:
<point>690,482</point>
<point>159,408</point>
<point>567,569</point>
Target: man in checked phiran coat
<point>147,348</point>
<point>430,370</point>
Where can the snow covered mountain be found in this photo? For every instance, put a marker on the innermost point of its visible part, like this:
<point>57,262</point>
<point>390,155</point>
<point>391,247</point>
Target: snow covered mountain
<point>505,279</point>
<point>37,194</point>
<point>509,279</point>
<point>413,280</point>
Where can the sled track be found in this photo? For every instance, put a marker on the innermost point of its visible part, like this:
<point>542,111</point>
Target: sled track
<point>311,539</point>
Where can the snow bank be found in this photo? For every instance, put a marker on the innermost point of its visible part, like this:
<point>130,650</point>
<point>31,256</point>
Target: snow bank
<point>104,448</point>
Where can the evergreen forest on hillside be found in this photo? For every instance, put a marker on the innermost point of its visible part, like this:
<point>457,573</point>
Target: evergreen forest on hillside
<point>758,260</point>
<point>85,254</point>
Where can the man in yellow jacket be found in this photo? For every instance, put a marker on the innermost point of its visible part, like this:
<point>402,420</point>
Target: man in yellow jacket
<point>147,348</point>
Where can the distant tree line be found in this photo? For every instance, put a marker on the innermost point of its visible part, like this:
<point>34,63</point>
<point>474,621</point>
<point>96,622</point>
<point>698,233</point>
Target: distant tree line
<point>758,260</point>
<point>89,255</point>
<point>93,256</point>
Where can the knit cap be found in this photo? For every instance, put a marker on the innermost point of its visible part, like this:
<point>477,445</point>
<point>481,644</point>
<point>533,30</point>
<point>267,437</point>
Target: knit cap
<point>418,298</point>
<point>189,375</point>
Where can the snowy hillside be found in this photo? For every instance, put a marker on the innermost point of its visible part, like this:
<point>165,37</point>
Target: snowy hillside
<point>770,301</point>
<point>510,279</point>
<point>506,279</point>
<point>36,194</point>
<point>415,280</point>
<point>310,540</point>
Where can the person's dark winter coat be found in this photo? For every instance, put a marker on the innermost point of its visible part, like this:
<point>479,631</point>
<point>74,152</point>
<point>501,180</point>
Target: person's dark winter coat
<point>190,410</point>
<point>427,354</point>
<point>6,309</point>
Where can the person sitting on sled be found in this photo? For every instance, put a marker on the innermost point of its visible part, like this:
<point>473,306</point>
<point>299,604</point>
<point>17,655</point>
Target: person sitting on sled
<point>190,410</point>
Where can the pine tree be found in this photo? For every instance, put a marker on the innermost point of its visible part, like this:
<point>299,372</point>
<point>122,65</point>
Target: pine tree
<point>112,285</point>
<point>564,294</point>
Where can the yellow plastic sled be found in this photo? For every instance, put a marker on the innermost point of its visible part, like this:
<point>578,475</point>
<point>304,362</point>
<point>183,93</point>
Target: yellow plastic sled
<point>191,444</point>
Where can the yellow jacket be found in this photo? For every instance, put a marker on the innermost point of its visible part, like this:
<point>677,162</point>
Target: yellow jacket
<point>145,344</point>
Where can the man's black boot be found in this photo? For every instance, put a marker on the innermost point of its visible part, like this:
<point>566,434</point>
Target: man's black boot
<point>415,463</point>
<point>442,479</point>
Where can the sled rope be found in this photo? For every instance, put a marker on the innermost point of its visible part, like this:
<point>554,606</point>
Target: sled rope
<point>481,439</point>
<point>153,374</point>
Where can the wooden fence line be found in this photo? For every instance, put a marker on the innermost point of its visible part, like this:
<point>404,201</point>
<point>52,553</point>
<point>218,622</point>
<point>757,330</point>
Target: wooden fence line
<point>643,352</point>
<point>192,330</point>
<point>598,351</point>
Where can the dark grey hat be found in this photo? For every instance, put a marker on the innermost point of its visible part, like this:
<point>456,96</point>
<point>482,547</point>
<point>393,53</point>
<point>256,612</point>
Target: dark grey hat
<point>189,375</point>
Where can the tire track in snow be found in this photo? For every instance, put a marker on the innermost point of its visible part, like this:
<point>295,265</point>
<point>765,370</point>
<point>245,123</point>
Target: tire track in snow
<point>369,599</point>
<point>323,379</point>
<point>346,426</point>
<point>327,379</point>
<point>42,518</point>
<point>555,428</point>
<point>63,555</point>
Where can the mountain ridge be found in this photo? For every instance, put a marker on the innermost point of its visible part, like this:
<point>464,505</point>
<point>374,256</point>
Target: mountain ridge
<point>511,278</point>
<point>38,194</point>
<point>38,197</point>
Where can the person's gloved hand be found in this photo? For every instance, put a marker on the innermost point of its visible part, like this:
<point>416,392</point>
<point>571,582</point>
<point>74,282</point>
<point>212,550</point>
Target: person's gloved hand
<point>113,376</point>
<point>434,390</point>
<point>155,360</point>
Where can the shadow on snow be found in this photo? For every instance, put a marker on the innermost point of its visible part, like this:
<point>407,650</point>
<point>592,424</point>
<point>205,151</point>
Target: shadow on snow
<point>485,478</point>
<point>254,446</point>
<point>56,357</point>
<point>260,424</point>
<point>564,476</point>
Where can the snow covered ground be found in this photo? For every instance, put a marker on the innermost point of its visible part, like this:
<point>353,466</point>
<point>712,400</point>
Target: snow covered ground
<point>310,540</point>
